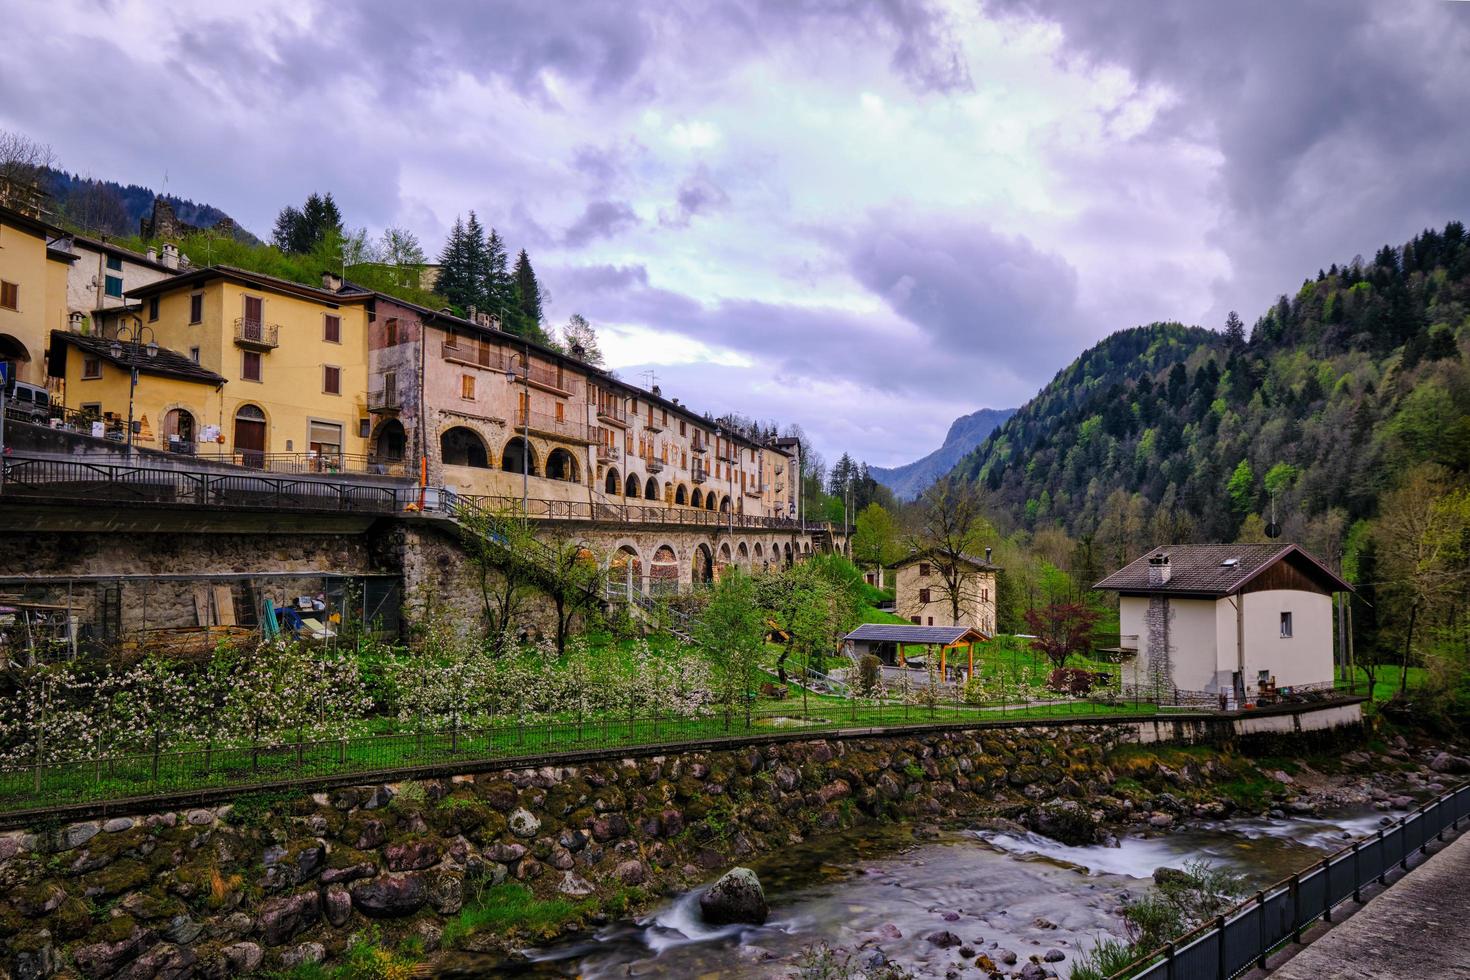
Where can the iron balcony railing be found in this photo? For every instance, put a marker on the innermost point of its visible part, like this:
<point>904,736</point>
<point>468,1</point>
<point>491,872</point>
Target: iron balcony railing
<point>472,354</point>
<point>614,413</point>
<point>256,334</point>
<point>609,511</point>
<point>654,424</point>
<point>542,376</point>
<point>609,454</point>
<point>652,465</point>
<point>697,474</point>
<point>557,428</point>
<point>383,400</point>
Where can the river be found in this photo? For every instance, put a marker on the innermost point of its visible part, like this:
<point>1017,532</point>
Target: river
<point>879,888</point>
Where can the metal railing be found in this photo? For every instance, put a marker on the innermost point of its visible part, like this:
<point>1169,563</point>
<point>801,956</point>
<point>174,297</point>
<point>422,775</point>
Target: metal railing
<point>310,462</point>
<point>1233,942</point>
<point>617,414</point>
<point>631,513</point>
<point>561,428</point>
<point>77,480</point>
<point>652,464</point>
<point>383,400</point>
<point>608,454</point>
<point>697,473</point>
<point>255,333</point>
<point>146,770</point>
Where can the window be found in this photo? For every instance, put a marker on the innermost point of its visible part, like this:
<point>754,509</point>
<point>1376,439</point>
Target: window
<point>113,286</point>
<point>914,620</point>
<point>1286,626</point>
<point>250,366</point>
<point>114,263</point>
<point>91,368</point>
<point>923,569</point>
<point>390,332</point>
<point>332,328</point>
<point>364,428</point>
<point>331,379</point>
<point>9,295</point>
<point>196,308</point>
<point>681,427</point>
<point>194,354</point>
<point>561,412</point>
<point>924,595</point>
<point>467,387</point>
<point>94,409</point>
<point>931,621</point>
<point>324,438</point>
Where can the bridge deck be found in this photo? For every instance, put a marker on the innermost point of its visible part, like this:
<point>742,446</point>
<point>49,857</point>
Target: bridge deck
<point>1418,927</point>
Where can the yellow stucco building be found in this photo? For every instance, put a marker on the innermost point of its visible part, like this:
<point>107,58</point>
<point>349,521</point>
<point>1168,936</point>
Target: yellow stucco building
<point>32,294</point>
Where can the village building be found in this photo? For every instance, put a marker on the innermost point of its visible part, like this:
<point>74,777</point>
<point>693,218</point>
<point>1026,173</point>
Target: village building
<point>33,287</point>
<point>1227,623</point>
<point>926,595</point>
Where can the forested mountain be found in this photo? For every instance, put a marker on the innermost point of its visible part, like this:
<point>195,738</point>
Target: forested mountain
<point>965,433</point>
<point>109,208</point>
<point>1169,433</point>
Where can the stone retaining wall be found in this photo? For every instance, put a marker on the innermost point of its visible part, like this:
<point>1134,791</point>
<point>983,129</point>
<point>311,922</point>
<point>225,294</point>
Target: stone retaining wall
<point>269,883</point>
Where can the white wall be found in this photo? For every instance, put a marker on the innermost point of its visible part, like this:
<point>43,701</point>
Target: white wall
<point>1305,658</point>
<point>85,280</point>
<point>1192,643</point>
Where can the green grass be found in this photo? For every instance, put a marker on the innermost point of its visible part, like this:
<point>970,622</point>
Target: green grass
<point>1387,683</point>
<point>510,907</point>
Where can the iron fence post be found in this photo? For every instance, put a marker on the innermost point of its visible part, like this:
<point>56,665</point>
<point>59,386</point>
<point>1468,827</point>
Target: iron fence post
<point>1357,875</point>
<point>1296,906</point>
<point>1261,927</point>
<point>1220,947</point>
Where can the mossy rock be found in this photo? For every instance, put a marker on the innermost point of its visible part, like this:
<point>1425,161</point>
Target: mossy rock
<point>72,921</point>
<point>116,929</point>
<point>118,877</point>
<point>152,905</point>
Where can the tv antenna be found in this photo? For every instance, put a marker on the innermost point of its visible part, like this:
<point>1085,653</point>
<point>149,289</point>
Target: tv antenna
<point>650,379</point>
<point>1273,530</point>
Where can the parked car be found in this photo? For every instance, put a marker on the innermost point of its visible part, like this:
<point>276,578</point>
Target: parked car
<point>22,399</point>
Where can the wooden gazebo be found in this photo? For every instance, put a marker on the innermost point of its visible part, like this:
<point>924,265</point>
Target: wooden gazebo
<point>887,641</point>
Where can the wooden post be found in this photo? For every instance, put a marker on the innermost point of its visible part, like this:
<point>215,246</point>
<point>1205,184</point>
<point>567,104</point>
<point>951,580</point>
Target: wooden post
<point>971,675</point>
<point>943,653</point>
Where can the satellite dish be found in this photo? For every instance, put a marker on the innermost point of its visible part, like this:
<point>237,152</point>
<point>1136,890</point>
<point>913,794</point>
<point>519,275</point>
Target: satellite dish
<point>1273,530</point>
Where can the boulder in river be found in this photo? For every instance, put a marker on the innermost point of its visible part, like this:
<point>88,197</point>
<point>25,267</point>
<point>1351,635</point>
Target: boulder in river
<point>1066,821</point>
<point>736,897</point>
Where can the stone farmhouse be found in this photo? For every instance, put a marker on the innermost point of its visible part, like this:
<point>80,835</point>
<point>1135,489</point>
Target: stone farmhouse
<point>1227,623</point>
<point>923,591</point>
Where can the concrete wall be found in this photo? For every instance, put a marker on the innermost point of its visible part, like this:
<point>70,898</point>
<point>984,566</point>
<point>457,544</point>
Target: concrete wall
<point>1305,658</point>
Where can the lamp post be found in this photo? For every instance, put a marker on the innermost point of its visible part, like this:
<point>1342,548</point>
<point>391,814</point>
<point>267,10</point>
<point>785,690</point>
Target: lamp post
<point>510,377</point>
<point>134,336</point>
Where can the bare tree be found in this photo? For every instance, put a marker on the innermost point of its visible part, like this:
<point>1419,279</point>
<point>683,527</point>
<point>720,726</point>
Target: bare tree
<point>23,161</point>
<point>948,523</point>
<point>580,340</point>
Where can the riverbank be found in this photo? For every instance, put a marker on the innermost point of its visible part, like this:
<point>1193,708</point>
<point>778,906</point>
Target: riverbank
<point>498,862</point>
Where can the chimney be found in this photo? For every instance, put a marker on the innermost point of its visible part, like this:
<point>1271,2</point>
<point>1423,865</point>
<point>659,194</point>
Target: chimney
<point>657,391</point>
<point>170,255</point>
<point>152,254</point>
<point>1158,569</point>
<point>331,282</point>
<point>987,556</point>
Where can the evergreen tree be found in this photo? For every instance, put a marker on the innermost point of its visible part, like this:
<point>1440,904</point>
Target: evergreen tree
<point>527,298</point>
<point>500,296</point>
<point>1234,331</point>
<point>477,264</point>
<point>456,279</point>
<point>299,232</point>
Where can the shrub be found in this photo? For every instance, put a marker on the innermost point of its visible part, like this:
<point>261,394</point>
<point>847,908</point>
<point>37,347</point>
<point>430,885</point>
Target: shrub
<point>1075,681</point>
<point>870,675</point>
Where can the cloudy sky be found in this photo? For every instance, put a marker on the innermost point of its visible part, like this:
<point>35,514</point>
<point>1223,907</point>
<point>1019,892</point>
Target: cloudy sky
<point>865,217</point>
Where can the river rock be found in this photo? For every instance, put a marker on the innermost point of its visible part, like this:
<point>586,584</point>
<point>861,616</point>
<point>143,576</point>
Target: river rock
<point>1066,821</point>
<point>944,939</point>
<point>1453,764</point>
<point>736,897</point>
<point>523,822</point>
<point>1161,821</point>
<point>163,962</point>
<point>303,954</point>
<point>574,884</point>
<point>282,918</point>
<point>390,896</point>
<point>411,855</point>
<point>104,958</point>
<point>1032,971</point>
<point>117,825</point>
<point>1053,956</point>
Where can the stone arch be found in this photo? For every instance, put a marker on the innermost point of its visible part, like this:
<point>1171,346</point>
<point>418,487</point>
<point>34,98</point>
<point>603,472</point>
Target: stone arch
<point>14,353</point>
<point>697,499</point>
<point>681,495</point>
<point>788,555</point>
<point>519,457</point>
<point>709,501</point>
<point>725,505</point>
<point>650,490</point>
<point>460,446</point>
<point>632,487</point>
<point>702,566</point>
<point>390,441</point>
<point>179,430</point>
<point>663,570</point>
<point>758,551</point>
<point>623,560</point>
<point>562,465</point>
<point>251,428</point>
<point>614,483</point>
<point>724,553</point>
<point>742,555</point>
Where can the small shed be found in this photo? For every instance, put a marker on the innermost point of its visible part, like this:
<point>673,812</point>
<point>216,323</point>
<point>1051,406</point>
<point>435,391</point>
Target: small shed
<point>887,641</point>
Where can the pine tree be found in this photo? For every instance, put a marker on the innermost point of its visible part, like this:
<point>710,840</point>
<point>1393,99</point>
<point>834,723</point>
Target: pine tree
<point>527,297</point>
<point>455,282</point>
<point>476,263</point>
<point>1234,331</point>
<point>500,296</point>
<point>300,232</point>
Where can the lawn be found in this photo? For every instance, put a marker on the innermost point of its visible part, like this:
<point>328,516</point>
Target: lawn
<point>1386,684</point>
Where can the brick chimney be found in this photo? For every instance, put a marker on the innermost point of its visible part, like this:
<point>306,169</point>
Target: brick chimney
<point>331,282</point>
<point>1158,570</point>
<point>170,255</point>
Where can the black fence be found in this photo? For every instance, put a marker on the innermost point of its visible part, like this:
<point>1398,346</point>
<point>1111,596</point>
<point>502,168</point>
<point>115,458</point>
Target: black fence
<point>1234,942</point>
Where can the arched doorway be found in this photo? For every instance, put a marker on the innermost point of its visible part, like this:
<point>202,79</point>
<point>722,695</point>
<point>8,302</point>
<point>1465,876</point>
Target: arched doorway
<point>15,356</point>
<point>614,483</point>
<point>650,489</point>
<point>463,447</point>
<point>250,435</point>
<point>178,430</point>
<point>742,555</point>
<point>703,566</point>
<point>681,495</point>
<point>391,442</point>
<point>562,465</point>
<point>631,490</point>
<point>698,499</point>
<point>758,551</point>
<point>788,556</point>
<point>709,501</point>
<point>518,458</point>
<point>724,560</point>
<point>663,572</point>
<point>724,505</point>
<point>625,563</point>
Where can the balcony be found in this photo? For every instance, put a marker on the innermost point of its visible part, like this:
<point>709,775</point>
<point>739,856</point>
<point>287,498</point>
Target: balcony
<point>697,474</point>
<point>552,427</point>
<point>547,379</point>
<point>612,414</point>
<point>255,335</point>
<point>384,401</point>
<point>653,465</point>
<point>475,355</point>
<point>780,486</point>
<point>698,445</point>
<point>727,455</point>
<point>653,424</point>
<point>609,454</point>
<point>754,490</point>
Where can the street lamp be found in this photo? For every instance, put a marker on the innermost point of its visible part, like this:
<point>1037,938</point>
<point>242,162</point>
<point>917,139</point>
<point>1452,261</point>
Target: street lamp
<point>133,336</point>
<point>525,410</point>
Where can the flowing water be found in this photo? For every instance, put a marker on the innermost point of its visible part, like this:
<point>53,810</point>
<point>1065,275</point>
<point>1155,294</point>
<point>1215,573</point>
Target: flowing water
<point>878,888</point>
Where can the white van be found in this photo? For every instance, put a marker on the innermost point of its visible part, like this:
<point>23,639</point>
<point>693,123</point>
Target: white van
<point>22,399</point>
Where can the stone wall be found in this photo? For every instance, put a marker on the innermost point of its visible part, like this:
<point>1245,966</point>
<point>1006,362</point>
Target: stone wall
<point>269,882</point>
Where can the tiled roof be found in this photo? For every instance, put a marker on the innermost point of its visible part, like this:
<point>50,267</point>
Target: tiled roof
<point>1212,569</point>
<point>933,556</point>
<point>900,633</point>
<point>167,363</point>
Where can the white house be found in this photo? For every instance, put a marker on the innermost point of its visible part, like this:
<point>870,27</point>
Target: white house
<point>1245,622</point>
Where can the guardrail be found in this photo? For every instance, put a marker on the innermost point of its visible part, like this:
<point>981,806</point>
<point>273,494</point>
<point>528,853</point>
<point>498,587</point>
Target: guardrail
<point>1231,943</point>
<point>635,513</point>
